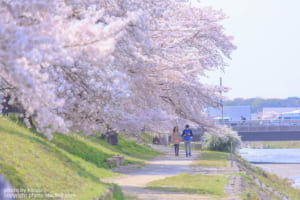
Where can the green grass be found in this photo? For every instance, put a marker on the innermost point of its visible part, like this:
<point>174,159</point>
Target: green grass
<point>129,149</point>
<point>118,194</point>
<point>32,162</point>
<point>15,178</point>
<point>130,197</point>
<point>212,163</point>
<point>273,144</point>
<point>68,164</point>
<point>213,155</point>
<point>147,137</point>
<point>197,183</point>
<point>283,186</point>
<point>213,159</point>
<point>81,150</point>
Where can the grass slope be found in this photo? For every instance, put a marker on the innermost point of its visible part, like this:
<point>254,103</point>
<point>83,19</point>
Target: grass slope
<point>264,185</point>
<point>132,151</point>
<point>66,166</point>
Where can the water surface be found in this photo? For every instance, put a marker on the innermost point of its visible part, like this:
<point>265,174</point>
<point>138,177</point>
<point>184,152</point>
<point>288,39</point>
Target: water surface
<point>279,156</point>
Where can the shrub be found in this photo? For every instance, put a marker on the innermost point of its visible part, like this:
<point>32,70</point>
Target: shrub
<point>222,143</point>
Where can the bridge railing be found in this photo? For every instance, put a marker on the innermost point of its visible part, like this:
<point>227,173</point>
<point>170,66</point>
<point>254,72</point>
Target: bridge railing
<point>263,125</point>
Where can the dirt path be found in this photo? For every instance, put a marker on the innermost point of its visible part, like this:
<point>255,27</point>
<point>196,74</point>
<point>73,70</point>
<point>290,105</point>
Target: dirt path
<point>134,180</point>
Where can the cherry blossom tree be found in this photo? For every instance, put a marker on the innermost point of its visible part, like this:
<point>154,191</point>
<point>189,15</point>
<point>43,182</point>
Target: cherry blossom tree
<point>82,65</point>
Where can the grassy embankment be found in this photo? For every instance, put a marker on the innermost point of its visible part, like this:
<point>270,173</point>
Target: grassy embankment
<point>201,184</point>
<point>259,183</point>
<point>273,144</point>
<point>68,165</point>
<point>264,185</point>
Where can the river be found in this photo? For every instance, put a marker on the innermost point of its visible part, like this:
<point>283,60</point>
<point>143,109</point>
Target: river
<point>283,162</point>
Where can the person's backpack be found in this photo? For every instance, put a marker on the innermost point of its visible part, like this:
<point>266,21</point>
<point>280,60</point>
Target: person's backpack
<point>187,134</point>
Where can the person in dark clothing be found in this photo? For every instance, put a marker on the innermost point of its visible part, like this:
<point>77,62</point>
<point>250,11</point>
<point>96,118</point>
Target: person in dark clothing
<point>243,119</point>
<point>156,140</point>
<point>187,134</point>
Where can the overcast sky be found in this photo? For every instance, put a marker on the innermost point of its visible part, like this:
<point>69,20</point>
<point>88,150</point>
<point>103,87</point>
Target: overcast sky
<point>267,61</point>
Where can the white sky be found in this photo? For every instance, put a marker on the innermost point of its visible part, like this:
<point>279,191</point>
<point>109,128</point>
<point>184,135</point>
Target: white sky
<point>267,61</point>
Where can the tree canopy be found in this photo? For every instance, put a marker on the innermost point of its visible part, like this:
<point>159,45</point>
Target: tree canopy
<point>82,65</point>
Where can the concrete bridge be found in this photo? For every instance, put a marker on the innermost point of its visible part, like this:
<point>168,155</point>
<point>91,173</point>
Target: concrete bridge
<point>266,130</point>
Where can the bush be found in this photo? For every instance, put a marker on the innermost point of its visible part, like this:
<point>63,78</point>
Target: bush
<point>222,143</point>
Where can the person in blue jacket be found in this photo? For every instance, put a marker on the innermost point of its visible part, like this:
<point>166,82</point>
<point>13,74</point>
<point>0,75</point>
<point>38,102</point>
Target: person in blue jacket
<point>187,134</point>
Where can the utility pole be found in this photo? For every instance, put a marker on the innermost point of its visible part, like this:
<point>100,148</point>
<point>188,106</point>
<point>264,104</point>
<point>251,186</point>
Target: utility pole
<point>221,98</point>
<point>231,161</point>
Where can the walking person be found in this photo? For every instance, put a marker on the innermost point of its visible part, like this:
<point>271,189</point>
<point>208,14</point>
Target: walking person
<point>187,134</point>
<point>176,140</point>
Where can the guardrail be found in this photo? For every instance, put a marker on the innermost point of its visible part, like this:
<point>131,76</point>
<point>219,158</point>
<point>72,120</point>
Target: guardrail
<point>264,125</point>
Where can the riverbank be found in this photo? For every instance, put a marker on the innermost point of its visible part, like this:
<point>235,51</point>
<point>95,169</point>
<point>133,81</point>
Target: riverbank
<point>283,162</point>
<point>261,184</point>
<point>290,171</point>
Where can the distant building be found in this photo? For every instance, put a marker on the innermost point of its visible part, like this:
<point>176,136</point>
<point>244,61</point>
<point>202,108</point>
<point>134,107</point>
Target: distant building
<point>270,113</point>
<point>233,113</point>
<point>254,116</point>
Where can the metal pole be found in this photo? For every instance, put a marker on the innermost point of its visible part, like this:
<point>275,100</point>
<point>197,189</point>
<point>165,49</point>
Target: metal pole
<point>231,164</point>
